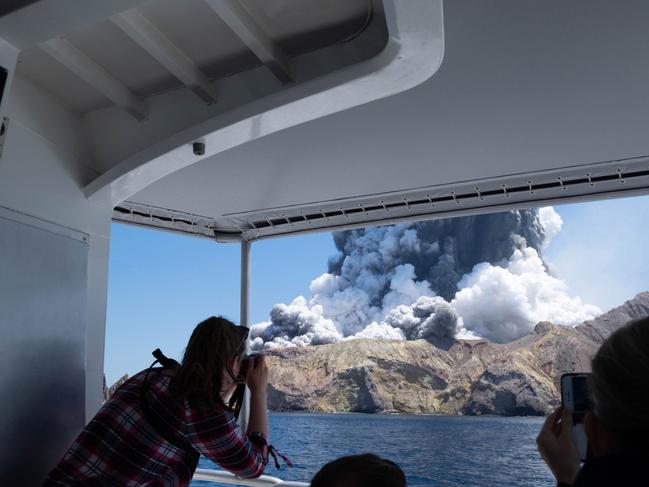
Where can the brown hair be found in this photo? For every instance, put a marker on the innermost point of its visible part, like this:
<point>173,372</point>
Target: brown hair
<point>366,470</point>
<point>211,348</point>
<point>620,383</point>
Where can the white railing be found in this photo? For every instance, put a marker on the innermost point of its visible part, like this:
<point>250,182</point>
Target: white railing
<point>223,477</point>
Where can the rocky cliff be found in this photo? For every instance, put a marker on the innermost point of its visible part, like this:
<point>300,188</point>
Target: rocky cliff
<point>602,326</point>
<point>445,377</point>
<point>109,391</point>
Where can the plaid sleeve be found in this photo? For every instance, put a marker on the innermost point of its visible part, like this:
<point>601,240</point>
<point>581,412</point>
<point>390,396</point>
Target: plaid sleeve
<point>218,438</point>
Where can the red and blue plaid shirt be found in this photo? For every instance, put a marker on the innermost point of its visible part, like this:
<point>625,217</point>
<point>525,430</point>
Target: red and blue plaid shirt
<point>119,447</point>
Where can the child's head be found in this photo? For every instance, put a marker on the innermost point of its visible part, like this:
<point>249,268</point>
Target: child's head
<point>620,383</point>
<point>367,470</point>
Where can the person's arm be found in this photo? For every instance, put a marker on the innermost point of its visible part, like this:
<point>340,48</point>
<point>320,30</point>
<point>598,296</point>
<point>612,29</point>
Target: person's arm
<point>218,437</point>
<point>557,448</point>
<point>257,381</point>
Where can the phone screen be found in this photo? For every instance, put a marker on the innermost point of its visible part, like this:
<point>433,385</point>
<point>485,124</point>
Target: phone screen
<point>580,394</point>
<point>575,394</point>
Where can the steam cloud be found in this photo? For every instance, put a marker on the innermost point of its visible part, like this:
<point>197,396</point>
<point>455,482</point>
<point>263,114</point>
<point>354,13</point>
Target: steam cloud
<point>467,277</point>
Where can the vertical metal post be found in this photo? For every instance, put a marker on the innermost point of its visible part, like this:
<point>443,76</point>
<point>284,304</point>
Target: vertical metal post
<point>245,285</point>
<point>244,321</point>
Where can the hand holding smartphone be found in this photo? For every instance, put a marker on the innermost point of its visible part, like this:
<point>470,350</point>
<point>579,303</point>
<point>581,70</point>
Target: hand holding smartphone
<point>576,396</point>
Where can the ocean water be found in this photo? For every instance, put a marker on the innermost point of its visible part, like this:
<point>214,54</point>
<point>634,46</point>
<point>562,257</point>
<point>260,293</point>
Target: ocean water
<point>449,451</point>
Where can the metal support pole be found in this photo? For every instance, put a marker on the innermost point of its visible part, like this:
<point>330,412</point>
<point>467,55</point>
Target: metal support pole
<point>244,321</point>
<point>245,286</point>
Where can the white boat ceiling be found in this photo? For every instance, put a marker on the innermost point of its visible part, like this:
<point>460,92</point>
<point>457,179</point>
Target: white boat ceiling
<point>197,30</point>
<point>343,113</point>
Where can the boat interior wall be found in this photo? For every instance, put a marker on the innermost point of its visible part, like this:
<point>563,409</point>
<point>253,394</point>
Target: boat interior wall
<point>532,96</point>
<point>48,118</point>
<point>8,59</point>
<point>42,173</point>
<point>43,273</point>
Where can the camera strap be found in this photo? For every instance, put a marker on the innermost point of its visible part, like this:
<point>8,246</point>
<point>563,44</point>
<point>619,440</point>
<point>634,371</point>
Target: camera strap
<point>236,399</point>
<point>162,359</point>
<point>149,416</point>
<point>272,451</point>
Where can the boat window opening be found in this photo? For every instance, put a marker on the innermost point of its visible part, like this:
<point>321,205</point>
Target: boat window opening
<point>160,286</point>
<point>346,319</point>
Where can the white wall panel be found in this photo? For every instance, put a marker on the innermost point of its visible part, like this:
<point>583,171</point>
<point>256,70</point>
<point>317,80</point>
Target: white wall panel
<point>42,172</point>
<point>42,351</point>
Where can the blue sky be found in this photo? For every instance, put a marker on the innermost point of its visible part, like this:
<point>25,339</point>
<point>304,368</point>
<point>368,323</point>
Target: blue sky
<point>162,284</point>
<point>601,251</point>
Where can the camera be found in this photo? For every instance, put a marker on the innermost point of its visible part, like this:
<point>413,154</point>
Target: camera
<point>246,363</point>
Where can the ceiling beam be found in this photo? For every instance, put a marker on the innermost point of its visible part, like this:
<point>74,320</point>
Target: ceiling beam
<point>96,76</point>
<point>248,30</point>
<point>413,53</point>
<point>42,20</point>
<point>163,50</point>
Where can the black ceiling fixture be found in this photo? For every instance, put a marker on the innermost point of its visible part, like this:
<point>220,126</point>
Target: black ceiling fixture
<point>8,6</point>
<point>3,80</point>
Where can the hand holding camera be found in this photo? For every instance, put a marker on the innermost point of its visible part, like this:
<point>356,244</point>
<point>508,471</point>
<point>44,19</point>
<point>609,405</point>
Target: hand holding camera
<point>255,370</point>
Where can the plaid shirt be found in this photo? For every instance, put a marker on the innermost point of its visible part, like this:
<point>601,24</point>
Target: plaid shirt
<point>119,447</point>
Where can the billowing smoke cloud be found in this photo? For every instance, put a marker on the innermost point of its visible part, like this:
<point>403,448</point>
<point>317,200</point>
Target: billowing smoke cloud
<point>295,324</point>
<point>502,303</point>
<point>428,317</point>
<point>441,251</point>
<point>467,277</point>
<point>551,223</point>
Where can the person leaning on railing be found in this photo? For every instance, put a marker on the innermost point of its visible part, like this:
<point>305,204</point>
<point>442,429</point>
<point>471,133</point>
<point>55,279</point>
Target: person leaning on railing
<point>153,429</point>
<point>618,428</point>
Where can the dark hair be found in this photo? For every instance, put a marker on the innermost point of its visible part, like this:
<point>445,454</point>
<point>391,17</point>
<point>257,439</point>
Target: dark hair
<point>211,348</point>
<point>366,470</point>
<point>620,383</point>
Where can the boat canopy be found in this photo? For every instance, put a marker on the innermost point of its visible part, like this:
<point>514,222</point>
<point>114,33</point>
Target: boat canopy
<point>244,119</point>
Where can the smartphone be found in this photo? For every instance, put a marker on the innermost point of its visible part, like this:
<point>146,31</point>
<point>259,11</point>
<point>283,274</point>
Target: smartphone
<point>576,396</point>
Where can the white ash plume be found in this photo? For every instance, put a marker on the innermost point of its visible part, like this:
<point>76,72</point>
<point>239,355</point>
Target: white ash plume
<point>464,277</point>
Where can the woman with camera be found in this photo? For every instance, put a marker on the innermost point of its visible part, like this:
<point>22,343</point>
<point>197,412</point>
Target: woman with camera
<point>153,429</point>
<point>618,427</point>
